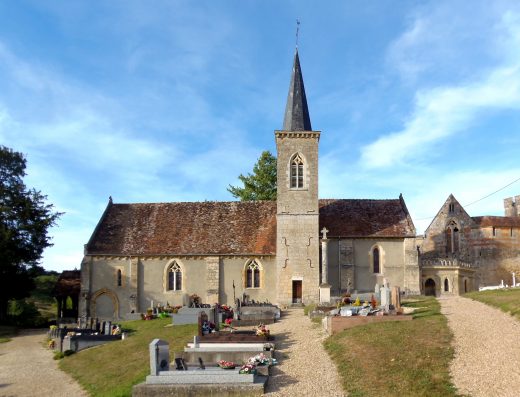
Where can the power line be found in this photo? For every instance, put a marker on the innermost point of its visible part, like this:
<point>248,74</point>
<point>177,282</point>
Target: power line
<point>496,191</point>
<point>476,201</point>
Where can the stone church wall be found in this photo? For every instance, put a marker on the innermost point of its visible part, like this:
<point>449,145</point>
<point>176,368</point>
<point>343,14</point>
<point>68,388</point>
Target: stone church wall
<point>350,264</point>
<point>496,256</point>
<point>143,281</point>
<point>232,270</point>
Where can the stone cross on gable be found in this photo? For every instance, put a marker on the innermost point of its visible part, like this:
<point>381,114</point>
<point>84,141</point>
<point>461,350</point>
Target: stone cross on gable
<point>324,231</point>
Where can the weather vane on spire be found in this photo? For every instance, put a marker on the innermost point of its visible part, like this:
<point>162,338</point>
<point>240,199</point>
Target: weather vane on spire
<point>297,31</point>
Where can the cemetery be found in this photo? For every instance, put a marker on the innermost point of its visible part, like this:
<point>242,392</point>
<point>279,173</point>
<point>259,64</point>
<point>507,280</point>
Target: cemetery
<point>86,334</point>
<point>364,309</point>
<point>229,362</point>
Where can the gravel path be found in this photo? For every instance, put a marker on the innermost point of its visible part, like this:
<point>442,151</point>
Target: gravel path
<point>487,352</point>
<point>27,369</point>
<point>305,368</point>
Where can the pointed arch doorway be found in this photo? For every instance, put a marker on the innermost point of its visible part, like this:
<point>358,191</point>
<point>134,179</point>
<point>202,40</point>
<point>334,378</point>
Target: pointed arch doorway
<point>429,287</point>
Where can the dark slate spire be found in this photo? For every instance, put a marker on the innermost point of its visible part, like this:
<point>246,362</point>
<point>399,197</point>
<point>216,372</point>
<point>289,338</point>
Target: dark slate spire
<point>296,111</point>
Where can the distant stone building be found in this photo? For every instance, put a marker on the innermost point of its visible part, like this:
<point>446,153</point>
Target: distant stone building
<point>267,250</point>
<point>460,253</point>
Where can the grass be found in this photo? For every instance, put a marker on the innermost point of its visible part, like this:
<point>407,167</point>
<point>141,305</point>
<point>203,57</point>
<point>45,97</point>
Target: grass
<point>507,300</point>
<point>6,332</point>
<point>112,369</point>
<point>409,358</point>
<point>309,308</point>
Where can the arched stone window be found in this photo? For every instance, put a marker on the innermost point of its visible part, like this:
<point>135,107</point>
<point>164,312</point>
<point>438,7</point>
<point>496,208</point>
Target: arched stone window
<point>252,274</point>
<point>174,277</point>
<point>452,238</point>
<point>376,259</point>
<point>119,276</point>
<point>375,254</point>
<point>297,168</point>
<point>446,285</point>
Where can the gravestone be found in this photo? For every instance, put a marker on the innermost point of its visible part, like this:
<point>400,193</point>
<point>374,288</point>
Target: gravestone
<point>108,328</point>
<point>159,356</point>
<point>396,297</point>
<point>385,298</point>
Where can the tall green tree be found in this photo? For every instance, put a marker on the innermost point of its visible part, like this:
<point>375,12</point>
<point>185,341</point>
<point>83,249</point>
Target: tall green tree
<point>25,218</point>
<point>261,184</point>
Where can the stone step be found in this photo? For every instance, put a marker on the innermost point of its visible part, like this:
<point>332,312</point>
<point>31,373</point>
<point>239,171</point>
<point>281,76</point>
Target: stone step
<point>207,376</point>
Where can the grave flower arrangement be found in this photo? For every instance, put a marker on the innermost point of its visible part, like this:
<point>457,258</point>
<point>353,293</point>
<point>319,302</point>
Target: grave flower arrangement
<point>247,369</point>
<point>208,327</point>
<point>195,299</point>
<point>226,364</point>
<point>262,330</point>
<point>262,359</point>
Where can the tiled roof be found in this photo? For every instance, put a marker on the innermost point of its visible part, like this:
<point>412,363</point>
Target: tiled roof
<point>497,221</point>
<point>203,228</point>
<point>366,218</point>
<point>232,228</point>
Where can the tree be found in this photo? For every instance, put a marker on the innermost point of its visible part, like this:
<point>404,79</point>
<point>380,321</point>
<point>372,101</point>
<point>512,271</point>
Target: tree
<point>261,185</point>
<point>24,220</point>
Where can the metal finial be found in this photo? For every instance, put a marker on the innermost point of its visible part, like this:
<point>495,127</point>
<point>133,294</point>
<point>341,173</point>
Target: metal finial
<point>297,31</point>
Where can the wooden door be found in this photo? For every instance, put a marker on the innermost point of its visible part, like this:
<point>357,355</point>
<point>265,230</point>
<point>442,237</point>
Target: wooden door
<point>297,291</point>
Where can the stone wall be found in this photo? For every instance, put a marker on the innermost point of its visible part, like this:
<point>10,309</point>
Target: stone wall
<point>212,278</point>
<point>350,264</point>
<point>494,251</point>
<point>298,241</point>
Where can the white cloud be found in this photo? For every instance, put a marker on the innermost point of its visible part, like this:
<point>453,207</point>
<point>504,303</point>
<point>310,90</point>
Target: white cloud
<point>442,111</point>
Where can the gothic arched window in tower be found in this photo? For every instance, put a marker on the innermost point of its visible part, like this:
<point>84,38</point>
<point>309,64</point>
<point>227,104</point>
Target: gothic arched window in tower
<point>253,275</point>
<point>296,172</point>
<point>174,277</point>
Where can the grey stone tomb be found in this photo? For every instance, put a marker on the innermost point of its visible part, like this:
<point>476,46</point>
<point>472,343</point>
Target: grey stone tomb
<point>159,356</point>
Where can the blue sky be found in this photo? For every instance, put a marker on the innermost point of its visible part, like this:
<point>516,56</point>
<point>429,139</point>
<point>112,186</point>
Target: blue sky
<point>171,101</point>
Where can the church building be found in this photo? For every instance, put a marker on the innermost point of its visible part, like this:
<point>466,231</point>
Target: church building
<point>461,253</point>
<point>297,249</point>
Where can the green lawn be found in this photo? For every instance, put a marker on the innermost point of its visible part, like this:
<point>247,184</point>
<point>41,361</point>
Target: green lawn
<point>507,300</point>
<point>112,369</point>
<point>409,358</point>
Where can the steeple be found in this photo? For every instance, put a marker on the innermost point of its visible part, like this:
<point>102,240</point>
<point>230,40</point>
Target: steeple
<point>296,111</point>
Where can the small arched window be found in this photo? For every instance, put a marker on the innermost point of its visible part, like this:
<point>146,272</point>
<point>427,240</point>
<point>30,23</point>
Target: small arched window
<point>446,285</point>
<point>174,277</point>
<point>253,275</point>
<point>119,276</point>
<point>297,172</point>
<point>376,258</point>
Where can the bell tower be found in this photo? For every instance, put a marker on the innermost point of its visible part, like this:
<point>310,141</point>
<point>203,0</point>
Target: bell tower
<point>297,252</point>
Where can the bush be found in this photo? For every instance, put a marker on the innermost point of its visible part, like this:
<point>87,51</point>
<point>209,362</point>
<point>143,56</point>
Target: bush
<point>309,308</point>
<point>25,314</point>
<point>68,352</point>
<point>58,355</point>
